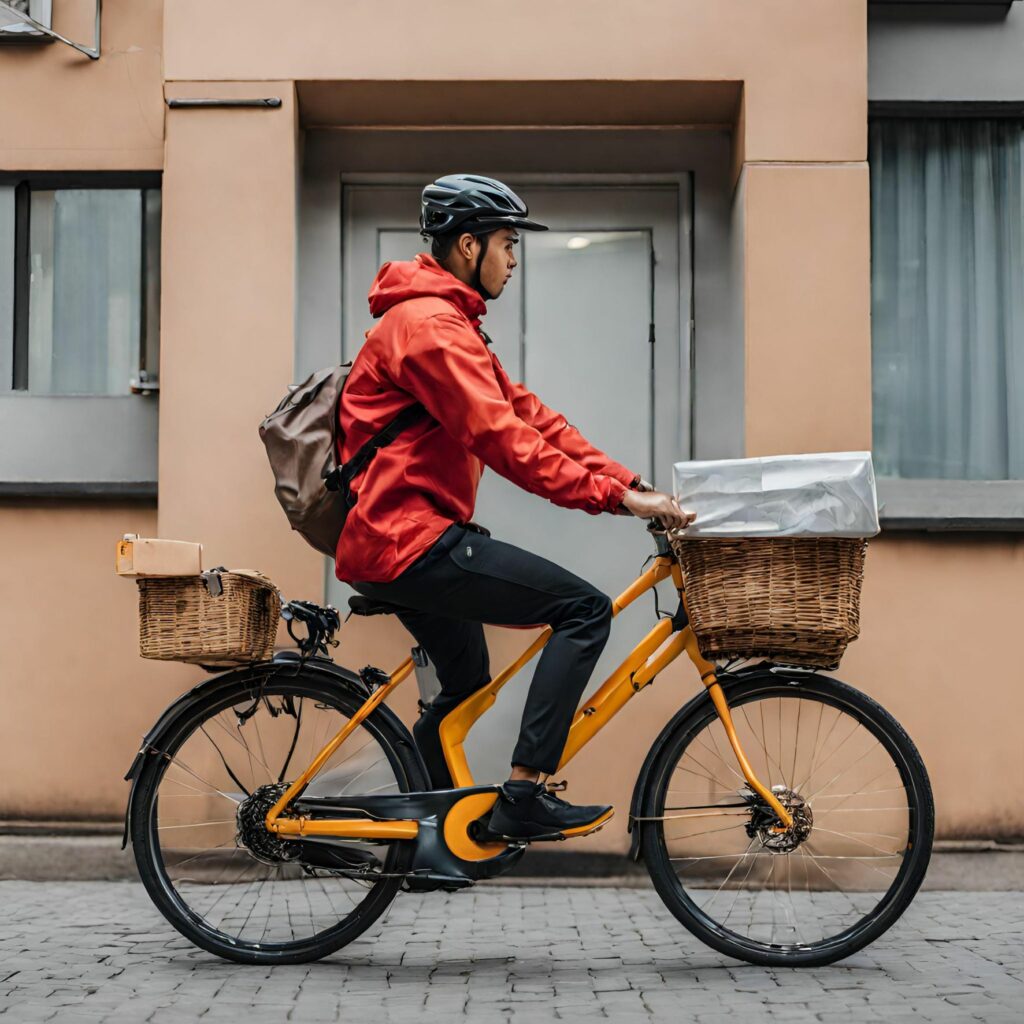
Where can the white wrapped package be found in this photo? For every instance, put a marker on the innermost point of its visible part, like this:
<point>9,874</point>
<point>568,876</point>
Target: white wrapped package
<point>831,494</point>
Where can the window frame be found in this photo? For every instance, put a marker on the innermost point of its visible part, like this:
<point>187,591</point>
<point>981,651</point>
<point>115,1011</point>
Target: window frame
<point>40,11</point>
<point>77,445</point>
<point>944,3</point>
<point>907,503</point>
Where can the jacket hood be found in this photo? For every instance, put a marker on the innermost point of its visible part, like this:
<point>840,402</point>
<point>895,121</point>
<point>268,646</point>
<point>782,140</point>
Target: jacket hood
<point>419,278</point>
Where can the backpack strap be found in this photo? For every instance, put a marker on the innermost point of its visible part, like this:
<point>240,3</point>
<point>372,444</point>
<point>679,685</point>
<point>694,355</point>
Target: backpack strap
<point>340,478</point>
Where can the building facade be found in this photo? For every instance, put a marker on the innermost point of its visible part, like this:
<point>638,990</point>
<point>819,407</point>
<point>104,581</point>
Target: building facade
<point>813,210</point>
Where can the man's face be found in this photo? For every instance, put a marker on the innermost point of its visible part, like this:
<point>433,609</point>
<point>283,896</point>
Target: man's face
<point>499,261</point>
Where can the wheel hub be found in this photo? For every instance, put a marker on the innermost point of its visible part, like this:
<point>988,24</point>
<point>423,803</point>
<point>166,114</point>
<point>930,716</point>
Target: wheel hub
<point>252,833</point>
<point>763,821</point>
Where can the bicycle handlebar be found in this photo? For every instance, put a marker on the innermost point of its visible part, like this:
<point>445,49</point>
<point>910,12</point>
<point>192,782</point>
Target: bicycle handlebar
<point>660,535</point>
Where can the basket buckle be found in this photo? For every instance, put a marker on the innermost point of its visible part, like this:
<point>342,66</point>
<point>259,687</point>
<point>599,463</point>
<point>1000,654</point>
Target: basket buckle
<point>214,584</point>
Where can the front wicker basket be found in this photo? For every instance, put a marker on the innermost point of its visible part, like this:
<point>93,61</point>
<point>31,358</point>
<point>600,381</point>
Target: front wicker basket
<point>184,618</point>
<point>790,599</point>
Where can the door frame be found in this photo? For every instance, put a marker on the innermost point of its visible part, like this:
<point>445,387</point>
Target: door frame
<point>682,181</point>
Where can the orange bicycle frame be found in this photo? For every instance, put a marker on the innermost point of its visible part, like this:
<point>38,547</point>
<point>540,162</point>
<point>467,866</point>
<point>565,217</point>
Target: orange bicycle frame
<point>655,652</point>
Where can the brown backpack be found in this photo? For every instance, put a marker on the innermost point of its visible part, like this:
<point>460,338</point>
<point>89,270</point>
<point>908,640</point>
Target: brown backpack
<point>301,437</point>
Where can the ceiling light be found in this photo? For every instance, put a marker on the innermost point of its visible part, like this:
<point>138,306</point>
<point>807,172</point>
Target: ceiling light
<point>577,242</point>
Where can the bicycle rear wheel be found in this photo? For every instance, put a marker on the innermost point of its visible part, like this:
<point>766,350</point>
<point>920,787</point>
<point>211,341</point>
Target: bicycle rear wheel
<point>196,819</point>
<point>862,834</point>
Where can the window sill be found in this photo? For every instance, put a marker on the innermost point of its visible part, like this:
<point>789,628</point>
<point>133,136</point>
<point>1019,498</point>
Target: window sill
<point>996,505</point>
<point>89,490</point>
<point>1004,5</point>
<point>78,446</point>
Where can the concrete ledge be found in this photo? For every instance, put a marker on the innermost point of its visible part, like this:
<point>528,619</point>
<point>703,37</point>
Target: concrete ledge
<point>996,505</point>
<point>31,855</point>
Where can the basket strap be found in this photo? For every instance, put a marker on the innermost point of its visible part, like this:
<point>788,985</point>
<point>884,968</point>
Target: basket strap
<point>214,584</point>
<point>340,478</point>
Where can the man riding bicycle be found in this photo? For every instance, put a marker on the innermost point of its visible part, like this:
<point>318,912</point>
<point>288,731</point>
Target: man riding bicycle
<point>410,540</point>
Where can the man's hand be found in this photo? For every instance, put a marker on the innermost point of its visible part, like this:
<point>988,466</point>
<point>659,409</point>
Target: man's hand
<point>655,505</point>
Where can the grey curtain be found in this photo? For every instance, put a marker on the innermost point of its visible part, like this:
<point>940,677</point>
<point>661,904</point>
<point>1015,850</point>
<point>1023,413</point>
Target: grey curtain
<point>84,302</point>
<point>947,281</point>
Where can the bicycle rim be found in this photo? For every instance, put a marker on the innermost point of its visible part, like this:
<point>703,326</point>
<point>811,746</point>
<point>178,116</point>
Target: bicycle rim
<point>862,824</point>
<point>224,880</point>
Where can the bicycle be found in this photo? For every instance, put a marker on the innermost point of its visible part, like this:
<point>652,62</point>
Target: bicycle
<point>772,845</point>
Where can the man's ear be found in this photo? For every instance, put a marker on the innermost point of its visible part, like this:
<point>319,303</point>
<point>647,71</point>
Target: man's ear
<point>466,244</point>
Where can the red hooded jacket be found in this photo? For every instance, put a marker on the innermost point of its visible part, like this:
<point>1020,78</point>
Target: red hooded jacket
<point>427,348</point>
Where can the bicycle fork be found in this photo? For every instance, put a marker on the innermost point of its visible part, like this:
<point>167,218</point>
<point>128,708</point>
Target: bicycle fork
<point>710,680</point>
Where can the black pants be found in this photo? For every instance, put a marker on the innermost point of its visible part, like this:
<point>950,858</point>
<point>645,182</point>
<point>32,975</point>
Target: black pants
<point>466,579</point>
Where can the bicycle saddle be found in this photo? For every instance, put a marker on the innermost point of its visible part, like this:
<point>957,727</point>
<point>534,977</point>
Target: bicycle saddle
<point>371,606</point>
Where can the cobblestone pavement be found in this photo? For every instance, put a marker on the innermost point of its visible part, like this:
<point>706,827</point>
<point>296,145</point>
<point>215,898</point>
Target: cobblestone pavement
<point>98,951</point>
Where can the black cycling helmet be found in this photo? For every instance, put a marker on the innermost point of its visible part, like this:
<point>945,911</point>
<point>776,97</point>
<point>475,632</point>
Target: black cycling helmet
<point>477,205</point>
<point>473,203</point>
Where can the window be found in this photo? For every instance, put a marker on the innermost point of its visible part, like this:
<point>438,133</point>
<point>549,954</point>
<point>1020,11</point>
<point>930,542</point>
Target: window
<point>79,332</point>
<point>85,289</point>
<point>14,29</point>
<point>947,220</point>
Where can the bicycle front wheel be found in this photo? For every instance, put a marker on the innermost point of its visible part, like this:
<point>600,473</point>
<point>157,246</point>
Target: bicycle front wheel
<point>841,874</point>
<point>197,819</point>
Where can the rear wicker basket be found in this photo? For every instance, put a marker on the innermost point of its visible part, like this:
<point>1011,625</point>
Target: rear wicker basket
<point>790,599</point>
<point>184,618</point>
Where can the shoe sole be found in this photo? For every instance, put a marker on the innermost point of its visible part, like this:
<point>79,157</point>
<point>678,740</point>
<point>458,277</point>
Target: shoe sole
<point>570,833</point>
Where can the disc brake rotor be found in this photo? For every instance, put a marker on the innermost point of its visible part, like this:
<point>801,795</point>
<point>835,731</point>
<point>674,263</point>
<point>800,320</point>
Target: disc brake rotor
<point>763,821</point>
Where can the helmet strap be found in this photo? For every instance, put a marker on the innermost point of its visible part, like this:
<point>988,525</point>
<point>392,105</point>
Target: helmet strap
<point>477,283</point>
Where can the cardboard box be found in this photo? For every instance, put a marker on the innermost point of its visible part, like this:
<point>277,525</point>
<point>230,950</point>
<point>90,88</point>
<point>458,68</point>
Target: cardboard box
<point>150,556</point>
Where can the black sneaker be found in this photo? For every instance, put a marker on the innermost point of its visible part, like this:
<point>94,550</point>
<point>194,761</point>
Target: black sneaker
<point>526,810</point>
<point>426,733</point>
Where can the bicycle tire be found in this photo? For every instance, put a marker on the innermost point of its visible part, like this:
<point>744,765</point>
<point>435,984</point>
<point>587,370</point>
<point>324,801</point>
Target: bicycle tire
<point>385,730</point>
<point>906,882</point>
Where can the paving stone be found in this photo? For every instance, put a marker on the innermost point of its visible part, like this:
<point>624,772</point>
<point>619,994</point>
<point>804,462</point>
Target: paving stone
<point>90,952</point>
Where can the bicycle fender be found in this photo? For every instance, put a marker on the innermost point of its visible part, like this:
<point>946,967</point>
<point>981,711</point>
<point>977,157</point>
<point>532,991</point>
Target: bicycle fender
<point>152,742</point>
<point>727,680</point>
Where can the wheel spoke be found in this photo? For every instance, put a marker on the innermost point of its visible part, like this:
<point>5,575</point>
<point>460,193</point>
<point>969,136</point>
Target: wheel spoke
<point>816,747</point>
<point>871,781</point>
<point>224,761</point>
<point>236,735</point>
<point>739,888</point>
<point>355,778</point>
<point>213,789</point>
<point>862,842</point>
<point>199,824</point>
<point>856,726</point>
<point>716,753</point>
<point>690,771</point>
<point>768,760</point>
<point>198,792</point>
<point>732,871</point>
<point>706,832</point>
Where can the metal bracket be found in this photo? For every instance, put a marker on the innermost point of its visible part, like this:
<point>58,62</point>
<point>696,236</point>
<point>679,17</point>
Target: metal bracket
<point>373,678</point>
<point>144,384</point>
<point>93,53</point>
<point>189,101</point>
